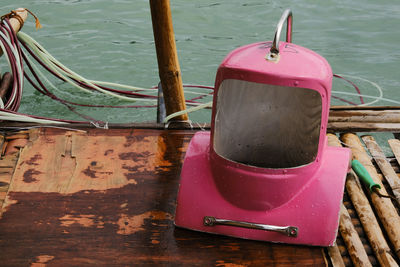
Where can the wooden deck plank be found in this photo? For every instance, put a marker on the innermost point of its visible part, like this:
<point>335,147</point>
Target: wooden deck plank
<point>9,156</point>
<point>107,197</point>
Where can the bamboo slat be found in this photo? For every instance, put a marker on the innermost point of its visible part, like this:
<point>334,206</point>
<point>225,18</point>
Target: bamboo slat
<point>369,222</point>
<point>365,108</point>
<point>347,228</point>
<point>392,116</point>
<point>353,243</point>
<point>395,146</point>
<point>336,258</point>
<point>386,212</point>
<point>361,120</point>
<point>387,170</point>
<point>366,216</point>
<point>363,127</point>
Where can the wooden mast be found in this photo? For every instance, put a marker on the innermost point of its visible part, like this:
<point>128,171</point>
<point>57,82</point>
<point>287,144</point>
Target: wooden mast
<point>168,64</point>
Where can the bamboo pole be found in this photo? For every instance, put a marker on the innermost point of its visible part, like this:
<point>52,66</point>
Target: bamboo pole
<point>369,222</point>
<point>364,116</point>
<point>366,215</point>
<point>395,146</point>
<point>353,242</point>
<point>364,120</point>
<point>363,127</point>
<point>15,23</point>
<point>336,258</point>
<point>386,118</point>
<point>387,170</point>
<point>337,108</point>
<point>347,230</point>
<point>168,64</point>
<point>384,207</point>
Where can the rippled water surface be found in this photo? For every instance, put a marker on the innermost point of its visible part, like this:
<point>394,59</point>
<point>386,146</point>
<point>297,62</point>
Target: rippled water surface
<point>113,41</point>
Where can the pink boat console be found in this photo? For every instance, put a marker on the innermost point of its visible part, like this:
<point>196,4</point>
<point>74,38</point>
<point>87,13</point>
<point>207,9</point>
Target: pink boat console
<point>265,171</point>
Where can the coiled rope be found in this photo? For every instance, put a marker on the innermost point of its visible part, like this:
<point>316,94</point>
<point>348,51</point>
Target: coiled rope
<point>11,43</point>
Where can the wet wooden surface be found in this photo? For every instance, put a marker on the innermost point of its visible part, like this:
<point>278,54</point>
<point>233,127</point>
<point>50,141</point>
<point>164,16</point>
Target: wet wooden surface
<point>376,220</point>
<point>107,197</point>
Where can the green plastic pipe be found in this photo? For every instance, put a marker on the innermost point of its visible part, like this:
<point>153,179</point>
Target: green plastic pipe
<point>363,174</point>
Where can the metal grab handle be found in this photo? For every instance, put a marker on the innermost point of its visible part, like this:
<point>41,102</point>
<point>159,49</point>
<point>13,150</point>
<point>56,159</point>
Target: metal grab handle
<point>288,17</point>
<point>290,231</point>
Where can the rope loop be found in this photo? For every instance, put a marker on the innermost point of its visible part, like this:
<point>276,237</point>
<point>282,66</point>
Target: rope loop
<point>14,15</point>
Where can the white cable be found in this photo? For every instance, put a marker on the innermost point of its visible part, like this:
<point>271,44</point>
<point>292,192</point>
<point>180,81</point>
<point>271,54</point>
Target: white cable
<point>41,74</point>
<point>377,98</point>
<point>202,106</point>
<point>133,88</point>
<point>368,96</point>
<point>69,75</point>
<point>59,68</point>
<point>22,118</point>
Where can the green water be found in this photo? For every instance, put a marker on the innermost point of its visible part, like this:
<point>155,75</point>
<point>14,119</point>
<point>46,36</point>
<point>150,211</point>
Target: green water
<point>113,41</point>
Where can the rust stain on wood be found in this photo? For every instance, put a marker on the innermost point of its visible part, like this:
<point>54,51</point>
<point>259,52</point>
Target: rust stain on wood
<point>227,264</point>
<point>116,227</point>
<point>131,224</point>
<point>232,247</point>
<point>89,172</point>
<point>134,156</point>
<point>34,159</point>
<point>84,162</point>
<point>85,220</point>
<point>112,220</point>
<point>108,152</point>
<point>9,156</point>
<point>29,175</point>
<point>41,260</point>
<point>130,140</point>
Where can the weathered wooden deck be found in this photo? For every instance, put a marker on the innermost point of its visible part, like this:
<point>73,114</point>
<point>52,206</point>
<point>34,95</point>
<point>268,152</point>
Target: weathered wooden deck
<point>107,197</point>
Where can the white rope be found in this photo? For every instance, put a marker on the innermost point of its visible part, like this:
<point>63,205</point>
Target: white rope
<point>368,96</point>
<point>377,98</point>
<point>201,106</point>
<point>41,74</point>
<point>22,118</point>
<point>67,73</point>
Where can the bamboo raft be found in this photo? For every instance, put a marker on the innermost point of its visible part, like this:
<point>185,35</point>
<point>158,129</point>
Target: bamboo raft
<point>85,196</point>
<point>107,197</point>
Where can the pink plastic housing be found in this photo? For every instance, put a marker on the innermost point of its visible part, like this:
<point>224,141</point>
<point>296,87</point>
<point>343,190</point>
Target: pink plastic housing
<point>306,196</point>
